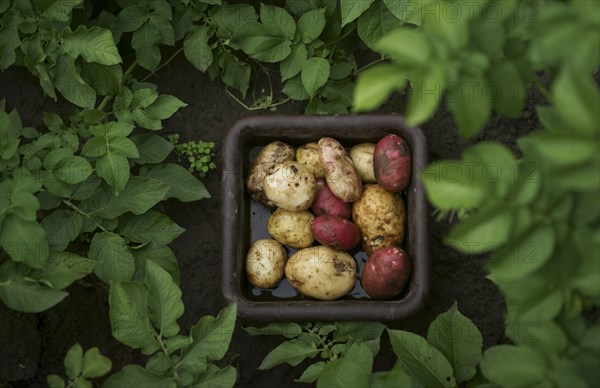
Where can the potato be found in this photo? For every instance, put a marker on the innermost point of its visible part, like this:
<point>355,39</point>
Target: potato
<point>290,186</point>
<point>362,157</point>
<point>265,263</point>
<point>291,228</point>
<point>321,272</point>
<point>340,173</point>
<point>392,162</point>
<point>326,202</point>
<point>335,232</point>
<point>385,273</point>
<point>271,154</point>
<point>380,217</point>
<point>308,155</point>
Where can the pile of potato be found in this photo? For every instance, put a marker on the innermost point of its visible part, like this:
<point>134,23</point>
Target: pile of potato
<point>339,199</point>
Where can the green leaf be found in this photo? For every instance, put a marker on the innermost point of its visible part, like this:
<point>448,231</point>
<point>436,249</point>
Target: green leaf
<point>143,98</point>
<point>161,256</point>
<point>292,65</point>
<point>60,10</point>
<point>374,86</point>
<point>159,363</point>
<point>163,23</point>
<point>210,339</point>
<point>74,361</point>
<point>143,119</point>
<point>292,352</point>
<point>365,331</point>
<point>85,189</point>
<point>396,377</point>
<point>115,262</point>
<point>24,241</point>
<point>484,231</point>
<point>152,148</point>
<point>114,169</point>
<point>229,17</point>
<point>537,300</point>
<point>29,297</point>
<point>315,73</point>
<point>311,24</point>
<point>526,366</point>
<point>131,18</point>
<point>453,185</point>
<point>63,268</point>
<point>352,9</point>
<point>524,255</point>
<point>277,21</point>
<point>312,373</point>
<point>376,22</point>
<point>428,90</point>
<point>124,146</point>
<point>145,41</point>
<point>408,11</point>
<point>469,105</point>
<point>164,299</point>
<point>214,377</point>
<point>506,89</point>
<point>70,84</point>
<point>55,381</point>
<point>294,89</point>
<point>286,329</point>
<point>182,184</point>
<point>139,195</point>
<point>105,80</point>
<point>576,98</point>
<point>421,360</point>
<point>164,107</point>
<point>137,376</point>
<point>351,370</point>
<point>93,45</point>
<point>73,169</point>
<point>129,316</point>
<point>9,39</point>
<point>95,364</point>
<point>559,149</point>
<point>459,340</point>
<point>235,73</point>
<point>196,48</point>
<point>409,48</point>
<point>151,226</point>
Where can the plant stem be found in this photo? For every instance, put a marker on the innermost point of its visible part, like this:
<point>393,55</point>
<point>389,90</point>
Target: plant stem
<point>126,75</point>
<point>165,63</point>
<point>545,92</point>
<point>78,210</point>
<point>369,65</point>
<point>340,37</point>
<point>166,352</point>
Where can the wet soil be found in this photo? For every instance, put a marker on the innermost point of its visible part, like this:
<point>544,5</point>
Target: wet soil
<point>33,345</point>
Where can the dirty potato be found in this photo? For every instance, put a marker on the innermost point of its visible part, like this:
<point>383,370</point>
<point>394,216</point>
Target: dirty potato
<point>321,272</point>
<point>271,154</point>
<point>362,157</point>
<point>380,216</point>
<point>308,155</point>
<point>265,263</point>
<point>291,228</point>
<point>340,173</point>
<point>290,186</point>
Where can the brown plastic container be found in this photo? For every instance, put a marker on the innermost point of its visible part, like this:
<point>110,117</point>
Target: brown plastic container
<point>243,220</point>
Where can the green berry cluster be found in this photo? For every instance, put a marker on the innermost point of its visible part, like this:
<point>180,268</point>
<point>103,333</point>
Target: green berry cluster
<point>199,154</point>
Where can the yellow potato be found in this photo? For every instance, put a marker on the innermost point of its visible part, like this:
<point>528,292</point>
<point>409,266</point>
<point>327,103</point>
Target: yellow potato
<point>271,154</point>
<point>308,155</point>
<point>380,216</point>
<point>265,263</point>
<point>290,186</point>
<point>340,173</point>
<point>321,272</point>
<point>291,228</point>
<point>362,157</point>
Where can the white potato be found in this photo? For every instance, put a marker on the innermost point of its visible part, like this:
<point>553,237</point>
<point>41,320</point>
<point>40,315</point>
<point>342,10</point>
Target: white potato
<point>380,216</point>
<point>290,186</point>
<point>308,155</point>
<point>340,173</point>
<point>271,154</point>
<point>291,228</point>
<point>321,272</point>
<point>265,263</point>
<point>362,157</point>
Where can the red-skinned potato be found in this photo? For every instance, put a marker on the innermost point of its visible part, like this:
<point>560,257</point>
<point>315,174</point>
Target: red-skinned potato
<point>392,163</point>
<point>385,273</point>
<point>326,202</point>
<point>335,232</point>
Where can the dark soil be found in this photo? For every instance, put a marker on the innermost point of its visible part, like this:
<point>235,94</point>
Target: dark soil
<point>33,345</point>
